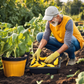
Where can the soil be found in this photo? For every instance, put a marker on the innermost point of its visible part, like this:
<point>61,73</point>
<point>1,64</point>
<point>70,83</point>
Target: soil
<point>59,78</point>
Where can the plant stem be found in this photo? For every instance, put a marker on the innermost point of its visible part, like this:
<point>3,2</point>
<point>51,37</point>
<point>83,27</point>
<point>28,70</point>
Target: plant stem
<point>15,52</point>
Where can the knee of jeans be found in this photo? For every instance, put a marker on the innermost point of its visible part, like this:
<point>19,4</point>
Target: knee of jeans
<point>72,49</point>
<point>75,43</point>
<point>39,36</point>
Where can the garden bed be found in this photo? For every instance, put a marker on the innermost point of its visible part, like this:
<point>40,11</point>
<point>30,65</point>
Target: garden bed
<point>59,78</point>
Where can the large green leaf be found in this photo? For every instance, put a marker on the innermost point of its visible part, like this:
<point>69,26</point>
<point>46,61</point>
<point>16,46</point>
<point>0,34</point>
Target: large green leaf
<point>14,37</point>
<point>20,28</point>
<point>22,46</point>
<point>25,33</point>
<point>22,49</point>
<point>32,20</point>
<point>6,25</point>
<point>4,39</point>
<point>6,47</point>
<point>81,74</point>
<point>1,46</point>
<point>9,25</point>
<point>80,80</point>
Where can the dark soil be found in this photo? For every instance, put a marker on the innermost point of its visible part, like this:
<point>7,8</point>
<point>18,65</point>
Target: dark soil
<point>59,78</point>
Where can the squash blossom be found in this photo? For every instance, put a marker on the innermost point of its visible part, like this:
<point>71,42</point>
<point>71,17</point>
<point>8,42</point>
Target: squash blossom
<point>20,36</point>
<point>29,30</point>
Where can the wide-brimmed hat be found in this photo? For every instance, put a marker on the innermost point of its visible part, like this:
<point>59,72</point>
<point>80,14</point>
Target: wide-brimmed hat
<point>50,12</point>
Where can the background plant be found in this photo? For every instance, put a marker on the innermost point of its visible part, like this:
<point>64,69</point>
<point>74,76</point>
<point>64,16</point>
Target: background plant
<point>13,12</point>
<point>15,41</point>
<point>21,11</point>
<point>37,24</point>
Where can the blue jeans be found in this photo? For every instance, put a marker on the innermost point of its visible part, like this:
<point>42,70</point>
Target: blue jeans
<point>54,45</point>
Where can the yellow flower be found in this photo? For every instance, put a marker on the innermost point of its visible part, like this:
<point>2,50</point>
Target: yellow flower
<point>6,29</point>
<point>29,30</point>
<point>20,36</point>
<point>23,37</point>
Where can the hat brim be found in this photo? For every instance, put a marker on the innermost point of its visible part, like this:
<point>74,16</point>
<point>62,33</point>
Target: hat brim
<point>47,17</point>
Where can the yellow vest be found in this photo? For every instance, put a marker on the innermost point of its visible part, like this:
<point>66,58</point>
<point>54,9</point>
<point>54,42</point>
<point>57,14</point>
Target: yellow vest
<point>59,31</point>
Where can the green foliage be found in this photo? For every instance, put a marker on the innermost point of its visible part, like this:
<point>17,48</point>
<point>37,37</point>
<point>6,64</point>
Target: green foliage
<point>82,15</point>
<point>58,3</point>
<point>14,13</point>
<point>80,60</point>
<point>52,76</point>
<point>79,27</point>
<point>81,74</point>
<point>37,24</point>
<point>71,75</point>
<point>80,79</point>
<point>19,12</point>
<point>17,40</point>
<point>14,41</point>
<point>74,9</point>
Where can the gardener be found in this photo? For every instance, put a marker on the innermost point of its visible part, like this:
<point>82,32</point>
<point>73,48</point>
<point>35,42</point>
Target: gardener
<point>66,38</point>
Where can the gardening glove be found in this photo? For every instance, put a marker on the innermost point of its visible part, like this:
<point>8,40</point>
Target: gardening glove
<point>50,58</point>
<point>37,54</point>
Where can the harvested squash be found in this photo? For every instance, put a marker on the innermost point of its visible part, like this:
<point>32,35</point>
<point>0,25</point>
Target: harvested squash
<point>36,64</point>
<point>56,62</point>
<point>41,65</point>
<point>50,65</point>
<point>42,58</point>
<point>33,60</point>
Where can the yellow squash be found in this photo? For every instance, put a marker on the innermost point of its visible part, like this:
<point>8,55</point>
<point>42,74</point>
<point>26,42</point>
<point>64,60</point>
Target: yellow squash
<point>50,65</point>
<point>36,64</point>
<point>42,58</point>
<point>41,65</point>
<point>33,60</point>
<point>56,62</point>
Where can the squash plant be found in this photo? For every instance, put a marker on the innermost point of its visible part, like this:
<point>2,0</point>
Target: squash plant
<point>37,24</point>
<point>4,36</point>
<point>80,78</point>
<point>14,41</point>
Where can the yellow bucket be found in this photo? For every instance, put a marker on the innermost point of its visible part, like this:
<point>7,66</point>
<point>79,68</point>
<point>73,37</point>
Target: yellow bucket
<point>14,68</point>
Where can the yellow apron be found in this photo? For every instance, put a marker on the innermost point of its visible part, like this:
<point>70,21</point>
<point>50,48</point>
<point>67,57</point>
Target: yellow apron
<point>59,31</point>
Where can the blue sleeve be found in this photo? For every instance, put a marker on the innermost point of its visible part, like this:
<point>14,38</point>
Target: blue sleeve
<point>47,32</point>
<point>68,33</point>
